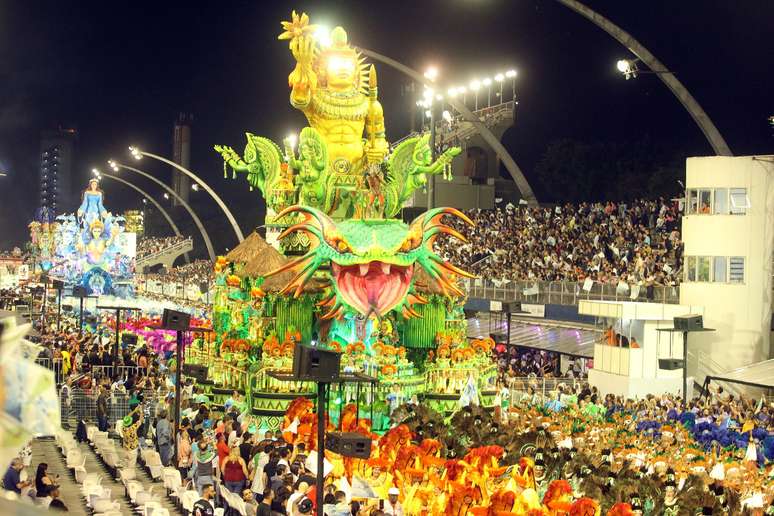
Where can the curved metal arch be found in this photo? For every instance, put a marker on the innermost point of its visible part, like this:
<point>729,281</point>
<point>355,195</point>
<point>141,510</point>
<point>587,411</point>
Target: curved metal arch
<point>690,104</point>
<point>204,185</point>
<point>170,191</point>
<point>510,164</point>
<point>147,196</point>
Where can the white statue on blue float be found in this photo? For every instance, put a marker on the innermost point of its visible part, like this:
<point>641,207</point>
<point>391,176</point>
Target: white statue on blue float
<point>91,208</point>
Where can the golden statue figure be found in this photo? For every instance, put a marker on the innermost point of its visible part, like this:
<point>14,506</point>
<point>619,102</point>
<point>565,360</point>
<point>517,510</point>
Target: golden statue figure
<point>336,90</point>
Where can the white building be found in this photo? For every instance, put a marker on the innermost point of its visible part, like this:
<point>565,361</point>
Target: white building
<point>728,230</point>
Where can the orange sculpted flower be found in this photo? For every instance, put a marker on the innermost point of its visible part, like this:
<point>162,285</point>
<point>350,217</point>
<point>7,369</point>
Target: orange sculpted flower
<point>443,351</point>
<point>458,355</point>
<point>468,353</point>
<point>257,292</point>
<point>233,281</point>
<point>389,370</point>
<point>292,335</point>
<point>355,347</point>
<point>287,348</point>
<point>336,346</point>
<point>401,352</point>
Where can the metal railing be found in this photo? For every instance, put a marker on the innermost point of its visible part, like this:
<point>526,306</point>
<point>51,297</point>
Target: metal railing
<point>172,289</point>
<point>543,388</point>
<point>566,292</point>
<point>701,365</point>
<point>178,248</point>
<point>81,405</point>
<point>459,129</point>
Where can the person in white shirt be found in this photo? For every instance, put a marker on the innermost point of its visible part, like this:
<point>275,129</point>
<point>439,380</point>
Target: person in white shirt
<point>299,493</point>
<point>257,465</point>
<point>392,506</point>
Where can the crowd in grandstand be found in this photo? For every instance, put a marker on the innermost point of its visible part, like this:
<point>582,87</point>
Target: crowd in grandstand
<point>150,245</point>
<point>194,273</point>
<point>638,243</point>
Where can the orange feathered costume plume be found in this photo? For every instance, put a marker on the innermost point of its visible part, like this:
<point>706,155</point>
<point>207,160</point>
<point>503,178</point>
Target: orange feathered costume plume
<point>620,509</point>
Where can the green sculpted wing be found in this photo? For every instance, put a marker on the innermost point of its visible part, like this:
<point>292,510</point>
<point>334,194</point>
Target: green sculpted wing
<point>262,162</point>
<point>408,167</point>
<point>399,168</point>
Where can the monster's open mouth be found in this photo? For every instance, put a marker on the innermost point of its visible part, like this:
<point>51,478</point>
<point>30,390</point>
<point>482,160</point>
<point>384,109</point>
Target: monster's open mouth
<point>373,287</point>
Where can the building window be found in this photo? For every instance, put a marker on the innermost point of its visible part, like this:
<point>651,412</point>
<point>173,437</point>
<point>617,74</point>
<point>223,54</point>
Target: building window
<point>718,201</point>
<point>693,201</point>
<point>739,201</point>
<point>736,269</point>
<point>721,202</point>
<point>719,269</point>
<point>705,202</point>
<point>703,272</point>
<point>690,269</point>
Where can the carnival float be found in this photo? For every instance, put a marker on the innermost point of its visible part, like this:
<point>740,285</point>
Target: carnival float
<point>89,248</point>
<point>344,271</point>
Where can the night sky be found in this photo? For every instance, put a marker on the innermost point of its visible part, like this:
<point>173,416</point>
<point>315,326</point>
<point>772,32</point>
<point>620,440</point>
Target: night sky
<point>121,71</point>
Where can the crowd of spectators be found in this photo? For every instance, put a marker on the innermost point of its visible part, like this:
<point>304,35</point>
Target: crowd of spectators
<point>194,273</point>
<point>150,245</point>
<point>520,362</point>
<point>638,243</point>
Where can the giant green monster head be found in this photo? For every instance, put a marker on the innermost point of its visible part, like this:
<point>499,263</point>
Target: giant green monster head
<point>372,262</point>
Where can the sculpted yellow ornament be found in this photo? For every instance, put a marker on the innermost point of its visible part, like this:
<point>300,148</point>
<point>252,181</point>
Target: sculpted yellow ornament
<point>331,86</point>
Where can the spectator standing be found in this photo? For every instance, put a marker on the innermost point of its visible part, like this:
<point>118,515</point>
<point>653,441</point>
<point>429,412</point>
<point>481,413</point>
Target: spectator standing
<point>234,471</point>
<point>164,437</point>
<point>205,461</point>
<point>184,449</point>
<point>131,441</point>
<point>102,409</point>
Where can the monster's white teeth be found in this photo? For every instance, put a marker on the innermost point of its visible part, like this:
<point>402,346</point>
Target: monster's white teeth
<point>364,269</point>
<point>385,268</point>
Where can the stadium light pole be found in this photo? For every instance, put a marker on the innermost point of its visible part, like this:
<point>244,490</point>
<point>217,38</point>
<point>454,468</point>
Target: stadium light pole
<point>488,83</point>
<point>690,104</point>
<point>475,85</point>
<point>499,78</point>
<point>100,175</point>
<point>138,154</point>
<point>511,74</point>
<point>116,166</point>
<point>510,164</point>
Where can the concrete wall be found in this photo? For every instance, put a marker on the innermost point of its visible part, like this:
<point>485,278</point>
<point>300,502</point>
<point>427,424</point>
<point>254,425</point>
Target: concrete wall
<point>740,312</point>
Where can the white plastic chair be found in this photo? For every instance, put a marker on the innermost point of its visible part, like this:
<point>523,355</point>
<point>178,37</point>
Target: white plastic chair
<point>143,498</point>
<point>153,461</point>
<point>149,506</point>
<point>127,474</point>
<point>105,505</point>
<point>133,488</point>
<point>188,499</point>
